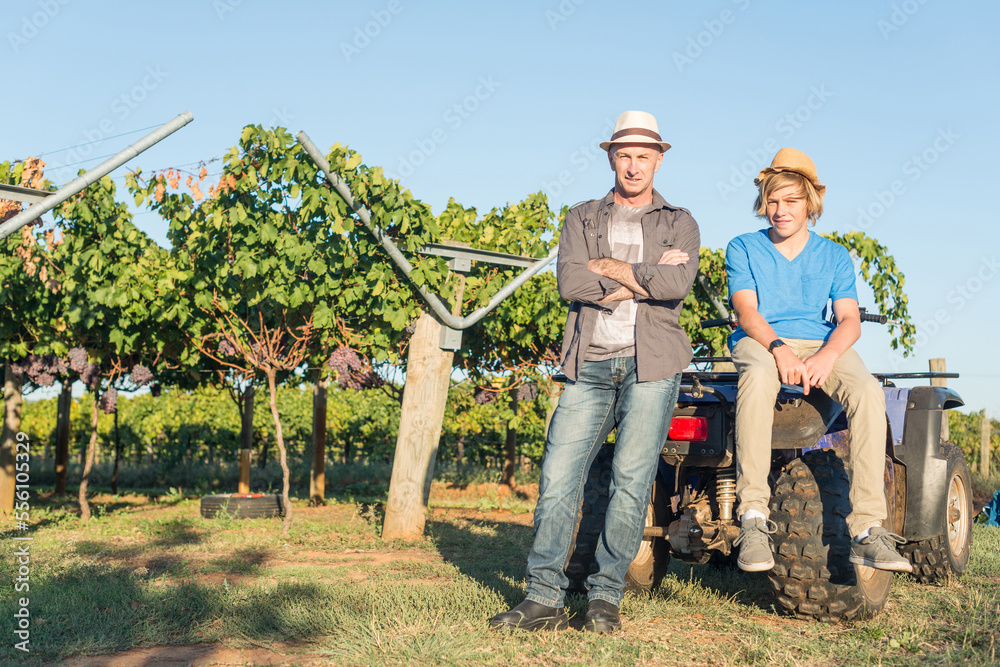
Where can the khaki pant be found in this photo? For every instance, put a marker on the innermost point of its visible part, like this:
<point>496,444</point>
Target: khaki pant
<point>852,386</point>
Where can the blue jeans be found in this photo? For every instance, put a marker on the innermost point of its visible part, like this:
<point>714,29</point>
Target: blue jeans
<point>605,396</point>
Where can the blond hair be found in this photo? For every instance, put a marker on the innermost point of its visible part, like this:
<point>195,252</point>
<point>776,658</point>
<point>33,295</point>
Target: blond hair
<point>782,179</point>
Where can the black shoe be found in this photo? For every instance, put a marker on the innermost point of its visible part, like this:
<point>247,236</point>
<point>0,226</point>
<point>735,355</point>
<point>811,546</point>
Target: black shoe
<point>602,616</point>
<point>532,616</point>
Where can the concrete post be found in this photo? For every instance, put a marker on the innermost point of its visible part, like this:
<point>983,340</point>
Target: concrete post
<point>938,366</point>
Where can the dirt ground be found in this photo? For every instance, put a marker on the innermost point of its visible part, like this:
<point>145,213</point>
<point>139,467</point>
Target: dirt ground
<point>220,655</point>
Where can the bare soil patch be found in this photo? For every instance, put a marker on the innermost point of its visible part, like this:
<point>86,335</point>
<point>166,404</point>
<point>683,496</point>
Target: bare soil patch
<point>201,655</point>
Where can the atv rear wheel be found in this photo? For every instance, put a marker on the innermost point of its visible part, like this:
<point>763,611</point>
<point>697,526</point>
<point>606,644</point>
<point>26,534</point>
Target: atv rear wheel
<point>590,520</point>
<point>650,565</point>
<point>646,571</point>
<point>812,576</point>
<point>947,554</point>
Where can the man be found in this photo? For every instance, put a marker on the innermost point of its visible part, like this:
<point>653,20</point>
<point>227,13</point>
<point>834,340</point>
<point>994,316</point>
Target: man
<point>780,281</point>
<point>626,262</point>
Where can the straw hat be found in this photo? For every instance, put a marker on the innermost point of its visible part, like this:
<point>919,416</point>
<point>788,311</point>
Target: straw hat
<point>636,127</point>
<point>789,159</point>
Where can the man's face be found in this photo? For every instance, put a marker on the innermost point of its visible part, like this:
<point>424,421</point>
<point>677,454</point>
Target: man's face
<point>634,166</point>
<point>787,212</point>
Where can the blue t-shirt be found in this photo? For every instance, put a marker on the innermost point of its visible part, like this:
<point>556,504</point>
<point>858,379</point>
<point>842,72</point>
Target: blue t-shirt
<point>791,295</point>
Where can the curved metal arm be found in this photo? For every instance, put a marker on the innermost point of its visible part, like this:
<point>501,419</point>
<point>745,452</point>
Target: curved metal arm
<point>439,307</point>
<point>80,182</point>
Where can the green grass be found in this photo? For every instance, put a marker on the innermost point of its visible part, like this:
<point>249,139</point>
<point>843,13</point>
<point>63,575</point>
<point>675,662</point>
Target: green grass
<point>145,573</point>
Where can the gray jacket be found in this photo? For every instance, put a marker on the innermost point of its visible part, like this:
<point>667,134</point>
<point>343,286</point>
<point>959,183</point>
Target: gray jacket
<point>662,349</point>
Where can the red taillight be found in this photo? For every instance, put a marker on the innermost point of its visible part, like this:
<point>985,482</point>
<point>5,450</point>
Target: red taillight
<point>688,428</point>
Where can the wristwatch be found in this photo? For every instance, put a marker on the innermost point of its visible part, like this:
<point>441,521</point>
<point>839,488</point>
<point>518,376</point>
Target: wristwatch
<point>777,342</point>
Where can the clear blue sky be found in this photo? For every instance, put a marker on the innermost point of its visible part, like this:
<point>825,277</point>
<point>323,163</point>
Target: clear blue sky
<point>488,102</point>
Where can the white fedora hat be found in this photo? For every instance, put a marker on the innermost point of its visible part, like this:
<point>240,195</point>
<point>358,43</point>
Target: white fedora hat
<point>636,127</point>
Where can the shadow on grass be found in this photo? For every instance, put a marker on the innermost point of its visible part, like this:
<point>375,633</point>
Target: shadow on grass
<point>724,580</point>
<point>96,609</point>
<point>492,552</point>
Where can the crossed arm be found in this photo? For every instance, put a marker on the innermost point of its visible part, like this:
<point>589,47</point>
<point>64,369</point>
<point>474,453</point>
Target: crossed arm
<point>813,370</point>
<point>622,272</point>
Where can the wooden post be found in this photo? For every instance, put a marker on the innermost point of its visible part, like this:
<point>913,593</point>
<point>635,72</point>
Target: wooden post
<point>428,374</point>
<point>938,366</point>
<point>246,439</point>
<point>8,441</point>
<point>510,446</point>
<point>64,406</point>
<point>425,395</point>
<point>984,446</point>
<point>317,478</point>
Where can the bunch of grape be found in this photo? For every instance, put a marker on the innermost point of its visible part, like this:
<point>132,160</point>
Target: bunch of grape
<point>226,348</point>
<point>109,400</point>
<point>140,375</point>
<point>347,365</point>
<point>484,396</point>
<point>77,359</point>
<point>91,376</point>
<point>41,371</point>
<point>527,392</point>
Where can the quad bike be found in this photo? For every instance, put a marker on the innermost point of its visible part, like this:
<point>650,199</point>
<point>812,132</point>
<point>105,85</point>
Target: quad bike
<point>928,493</point>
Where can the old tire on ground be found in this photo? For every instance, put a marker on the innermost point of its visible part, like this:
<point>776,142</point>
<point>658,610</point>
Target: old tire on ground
<point>242,506</point>
<point>946,555</point>
<point>646,572</point>
<point>812,576</point>
<point>649,566</point>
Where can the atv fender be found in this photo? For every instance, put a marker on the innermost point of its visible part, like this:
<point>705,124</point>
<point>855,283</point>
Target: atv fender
<point>923,454</point>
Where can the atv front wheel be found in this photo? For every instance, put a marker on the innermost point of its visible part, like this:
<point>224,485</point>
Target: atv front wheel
<point>947,554</point>
<point>812,576</point>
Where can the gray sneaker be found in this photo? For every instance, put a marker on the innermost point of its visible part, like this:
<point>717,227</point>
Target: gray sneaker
<point>754,542</point>
<point>878,550</point>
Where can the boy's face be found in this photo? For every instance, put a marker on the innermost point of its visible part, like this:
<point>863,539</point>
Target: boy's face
<point>788,212</point>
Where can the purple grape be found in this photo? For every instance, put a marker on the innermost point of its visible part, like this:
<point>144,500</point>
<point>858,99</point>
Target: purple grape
<point>155,389</point>
<point>109,400</point>
<point>19,368</point>
<point>527,392</point>
<point>59,366</point>
<point>484,396</point>
<point>140,375</point>
<point>91,376</point>
<point>41,371</point>
<point>77,359</point>
<point>226,348</point>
